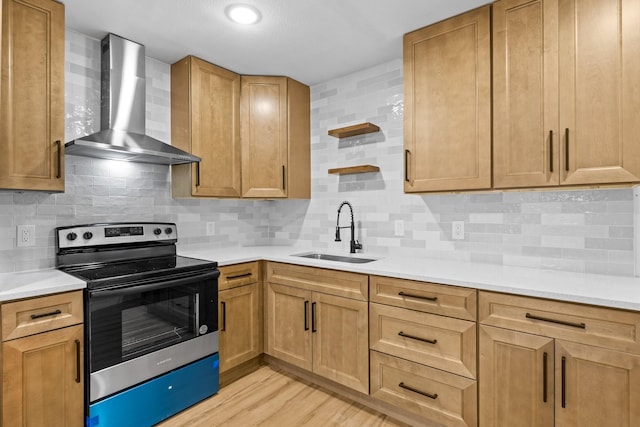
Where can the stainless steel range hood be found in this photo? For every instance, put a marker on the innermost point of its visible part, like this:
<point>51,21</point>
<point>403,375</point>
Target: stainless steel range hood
<point>123,97</point>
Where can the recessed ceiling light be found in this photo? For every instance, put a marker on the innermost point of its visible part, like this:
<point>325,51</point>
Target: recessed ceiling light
<point>243,14</point>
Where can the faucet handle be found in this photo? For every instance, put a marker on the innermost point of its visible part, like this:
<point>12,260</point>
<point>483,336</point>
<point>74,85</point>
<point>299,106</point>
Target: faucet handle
<point>357,245</point>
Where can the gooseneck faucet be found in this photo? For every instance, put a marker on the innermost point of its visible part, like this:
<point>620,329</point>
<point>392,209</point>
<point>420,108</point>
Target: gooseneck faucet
<point>354,244</point>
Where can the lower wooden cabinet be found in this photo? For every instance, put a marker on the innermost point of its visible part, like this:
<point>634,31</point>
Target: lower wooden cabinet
<point>240,325</point>
<point>567,377</point>
<point>436,395</point>
<point>43,364</point>
<point>323,333</point>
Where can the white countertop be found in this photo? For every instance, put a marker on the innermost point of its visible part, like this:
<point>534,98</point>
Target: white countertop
<point>25,284</point>
<point>603,290</point>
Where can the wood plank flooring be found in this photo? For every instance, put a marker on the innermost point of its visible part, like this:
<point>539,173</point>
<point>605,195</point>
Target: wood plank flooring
<point>270,397</point>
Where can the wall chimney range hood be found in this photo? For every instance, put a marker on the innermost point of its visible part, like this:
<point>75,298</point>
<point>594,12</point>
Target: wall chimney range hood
<point>122,119</point>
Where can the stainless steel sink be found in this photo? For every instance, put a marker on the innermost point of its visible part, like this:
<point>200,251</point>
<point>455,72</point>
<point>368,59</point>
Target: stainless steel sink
<point>331,257</point>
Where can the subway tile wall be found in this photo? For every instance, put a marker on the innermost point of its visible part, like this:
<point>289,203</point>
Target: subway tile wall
<point>585,231</point>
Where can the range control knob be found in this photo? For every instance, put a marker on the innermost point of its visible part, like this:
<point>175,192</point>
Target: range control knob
<point>157,231</point>
<point>168,230</point>
<point>72,236</point>
<point>87,235</point>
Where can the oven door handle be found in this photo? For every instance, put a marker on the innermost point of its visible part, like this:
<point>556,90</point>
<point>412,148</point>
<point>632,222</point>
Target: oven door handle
<point>132,288</point>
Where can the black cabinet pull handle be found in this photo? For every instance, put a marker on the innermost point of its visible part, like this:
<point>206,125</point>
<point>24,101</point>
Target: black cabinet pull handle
<point>406,165</point>
<point>313,317</point>
<point>51,313</point>
<point>404,294</point>
<point>566,149</point>
<point>223,305</point>
<point>560,322</point>
<point>77,361</point>
<point>564,382</point>
<point>415,390</point>
<point>59,172</point>
<point>544,377</point>
<point>283,178</point>
<point>413,337</point>
<point>238,276</point>
<point>198,174</point>
<point>551,151</point>
<point>306,316</point>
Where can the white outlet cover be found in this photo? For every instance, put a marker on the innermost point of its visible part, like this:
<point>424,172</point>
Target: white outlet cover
<point>457,230</point>
<point>25,235</point>
<point>211,228</point>
<point>398,228</point>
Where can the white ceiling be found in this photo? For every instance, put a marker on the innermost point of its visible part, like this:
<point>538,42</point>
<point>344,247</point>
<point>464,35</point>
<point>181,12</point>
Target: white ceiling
<point>310,40</point>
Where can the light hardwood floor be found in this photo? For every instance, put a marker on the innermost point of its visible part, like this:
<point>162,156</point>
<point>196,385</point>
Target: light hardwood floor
<point>270,397</point>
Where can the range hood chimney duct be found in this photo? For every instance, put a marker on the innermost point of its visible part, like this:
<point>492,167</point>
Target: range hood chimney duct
<point>122,102</point>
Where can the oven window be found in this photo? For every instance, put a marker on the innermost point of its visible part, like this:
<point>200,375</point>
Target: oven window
<point>127,325</point>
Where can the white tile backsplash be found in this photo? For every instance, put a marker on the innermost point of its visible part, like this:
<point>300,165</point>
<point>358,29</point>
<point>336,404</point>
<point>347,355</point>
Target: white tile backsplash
<point>583,230</point>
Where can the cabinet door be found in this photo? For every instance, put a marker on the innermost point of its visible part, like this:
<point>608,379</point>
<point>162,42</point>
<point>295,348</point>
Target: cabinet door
<point>263,112</point>
<point>288,324</point>
<point>596,386</point>
<point>239,322</point>
<point>599,95</point>
<point>32,95</point>
<point>447,127</point>
<point>340,340</point>
<point>525,84</point>
<point>43,379</point>
<point>516,378</point>
<point>205,108</point>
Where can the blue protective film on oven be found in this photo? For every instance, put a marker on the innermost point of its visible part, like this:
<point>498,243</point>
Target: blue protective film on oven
<point>158,399</point>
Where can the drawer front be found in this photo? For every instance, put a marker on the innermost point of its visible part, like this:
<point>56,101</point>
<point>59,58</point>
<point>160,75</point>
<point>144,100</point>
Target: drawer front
<point>438,341</point>
<point>439,396</point>
<point>446,300</point>
<point>340,283</point>
<point>35,315</point>
<point>232,276</point>
<point>599,326</point>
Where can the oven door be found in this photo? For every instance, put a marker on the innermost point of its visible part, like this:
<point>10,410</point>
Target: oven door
<point>139,330</point>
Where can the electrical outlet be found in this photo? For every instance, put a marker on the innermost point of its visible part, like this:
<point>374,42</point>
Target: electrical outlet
<point>398,228</point>
<point>211,228</point>
<point>25,235</point>
<point>457,230</point>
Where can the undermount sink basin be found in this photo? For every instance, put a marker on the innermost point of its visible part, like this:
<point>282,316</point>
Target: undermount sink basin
<point>339,258</point>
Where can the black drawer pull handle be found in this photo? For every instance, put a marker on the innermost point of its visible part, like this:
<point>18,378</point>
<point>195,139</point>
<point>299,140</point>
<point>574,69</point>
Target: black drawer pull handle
<point>306,316</point>
<point>406,165</point>
<point>284,178</point>
<point>560,322</point>
<point>404,294</point>
<point>313,317</point>
<point>415,390</point>
<point>413,337</point>
<point>77,361</point>
<point>59,172</point>
<point>198,174</point>
<point>544,377</point>
<point>564,382</point>
<point>223,304</point>
<point>551,151</point>
<point>239,276</point>
<point>566,149</point>
<point>51,313</point>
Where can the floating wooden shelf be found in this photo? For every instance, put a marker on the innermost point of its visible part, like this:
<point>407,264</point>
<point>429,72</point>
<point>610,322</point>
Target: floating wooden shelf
<point>354,130</point>
<point>354,169</point>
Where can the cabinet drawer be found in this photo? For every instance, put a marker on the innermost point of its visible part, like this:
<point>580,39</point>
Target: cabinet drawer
<point>447,300</point>
<point>340,283</point>
<point>438,341</point>
<point>439,396</point>
<point>600,326</point>
<point>35,315</point>
<point>232,276</point>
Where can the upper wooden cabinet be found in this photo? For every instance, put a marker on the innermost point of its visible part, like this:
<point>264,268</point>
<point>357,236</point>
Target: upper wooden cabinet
<point>32,95</point>
<point>205,120</point>
<point>275,132</point>
<point>566,75</point>
<point>447,108</point>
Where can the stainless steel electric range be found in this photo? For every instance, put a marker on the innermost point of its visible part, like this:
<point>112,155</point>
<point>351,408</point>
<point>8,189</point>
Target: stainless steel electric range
<point>151,321</point>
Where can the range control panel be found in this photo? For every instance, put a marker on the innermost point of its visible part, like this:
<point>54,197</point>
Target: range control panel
<point>87,235</point>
